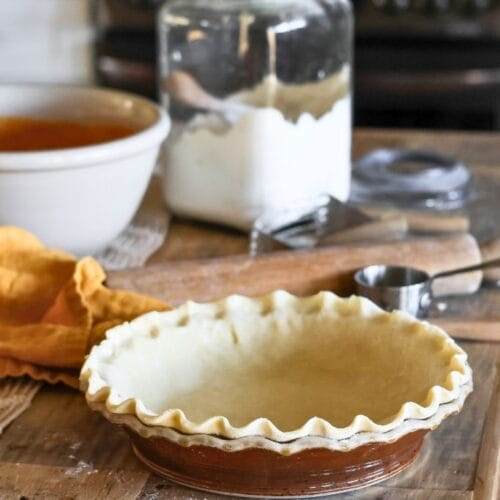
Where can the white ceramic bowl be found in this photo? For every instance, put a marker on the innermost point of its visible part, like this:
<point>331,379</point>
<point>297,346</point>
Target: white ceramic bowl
<point>79,199</point>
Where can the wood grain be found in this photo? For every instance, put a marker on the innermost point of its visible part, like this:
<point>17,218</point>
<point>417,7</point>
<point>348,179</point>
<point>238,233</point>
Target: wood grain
<point>301,272</point>
<point>484,331</point>
<point>80,482</point>
<point>425,222</point>
<point>390,227</point>
<point>487,484</point>
<point>491,250</point>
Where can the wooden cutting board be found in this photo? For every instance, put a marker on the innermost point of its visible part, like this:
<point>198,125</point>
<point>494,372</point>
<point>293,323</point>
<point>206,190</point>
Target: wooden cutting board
<point>306,272</point>
<point>302,272</point>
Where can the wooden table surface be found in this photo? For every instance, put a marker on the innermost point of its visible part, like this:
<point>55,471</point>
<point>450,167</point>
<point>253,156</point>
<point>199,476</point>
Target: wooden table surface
<point>59,449</point>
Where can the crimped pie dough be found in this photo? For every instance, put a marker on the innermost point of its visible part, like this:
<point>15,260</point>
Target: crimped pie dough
<point>278,367</point>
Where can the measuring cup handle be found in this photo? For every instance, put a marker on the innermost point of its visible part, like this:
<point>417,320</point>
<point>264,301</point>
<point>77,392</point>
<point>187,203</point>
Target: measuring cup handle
<point>477,267</point>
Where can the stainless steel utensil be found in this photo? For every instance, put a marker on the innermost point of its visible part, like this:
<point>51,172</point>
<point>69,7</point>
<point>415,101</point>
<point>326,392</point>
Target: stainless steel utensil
<point>320,221</point>
<point>405,288</point>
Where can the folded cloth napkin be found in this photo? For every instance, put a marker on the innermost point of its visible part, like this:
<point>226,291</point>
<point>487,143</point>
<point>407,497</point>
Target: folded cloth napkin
<point>53,309</point>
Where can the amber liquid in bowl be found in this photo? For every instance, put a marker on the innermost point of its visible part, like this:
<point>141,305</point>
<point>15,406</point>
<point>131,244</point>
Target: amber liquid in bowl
<point>19,134</point>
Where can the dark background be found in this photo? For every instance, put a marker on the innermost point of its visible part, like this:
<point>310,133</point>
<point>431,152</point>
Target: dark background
<point>418,63</point>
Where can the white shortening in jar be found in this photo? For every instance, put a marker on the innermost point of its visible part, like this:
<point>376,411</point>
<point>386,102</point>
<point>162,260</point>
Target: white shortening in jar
<point>230,169</point>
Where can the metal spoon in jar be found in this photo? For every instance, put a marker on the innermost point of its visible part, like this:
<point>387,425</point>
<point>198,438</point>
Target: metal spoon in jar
<point>184,88</point>
<point>405,288</point>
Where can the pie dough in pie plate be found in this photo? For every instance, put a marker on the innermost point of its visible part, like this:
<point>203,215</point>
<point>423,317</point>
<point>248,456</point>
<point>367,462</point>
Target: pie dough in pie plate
<point>335,383</point>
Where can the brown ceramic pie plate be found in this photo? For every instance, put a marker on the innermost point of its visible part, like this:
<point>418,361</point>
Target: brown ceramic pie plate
<point>277,396</point>
<point>260,472</point>
<point>235,467</point>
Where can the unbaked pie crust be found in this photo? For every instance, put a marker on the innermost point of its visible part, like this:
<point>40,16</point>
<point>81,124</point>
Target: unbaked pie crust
<point>264,372</point>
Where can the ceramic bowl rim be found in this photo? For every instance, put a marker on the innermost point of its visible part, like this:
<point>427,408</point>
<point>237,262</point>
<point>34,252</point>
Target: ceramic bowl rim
<point>87,156</point>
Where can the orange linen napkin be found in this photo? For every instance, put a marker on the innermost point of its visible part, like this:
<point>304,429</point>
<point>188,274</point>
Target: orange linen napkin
<point>53,309</point>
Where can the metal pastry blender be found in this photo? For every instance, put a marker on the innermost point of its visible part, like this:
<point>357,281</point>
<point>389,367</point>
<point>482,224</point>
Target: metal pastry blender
<point>320,221</point>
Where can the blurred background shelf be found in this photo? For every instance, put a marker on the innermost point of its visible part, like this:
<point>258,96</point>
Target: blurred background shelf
<point>418,64</point>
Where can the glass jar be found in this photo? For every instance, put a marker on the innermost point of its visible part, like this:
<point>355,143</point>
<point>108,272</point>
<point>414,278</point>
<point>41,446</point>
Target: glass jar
<point>259,94</point>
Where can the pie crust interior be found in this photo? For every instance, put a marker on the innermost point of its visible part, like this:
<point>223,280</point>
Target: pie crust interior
<point>279,367</point>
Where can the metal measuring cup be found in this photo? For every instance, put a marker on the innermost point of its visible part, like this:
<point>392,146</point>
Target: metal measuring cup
<point>405,288</point>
